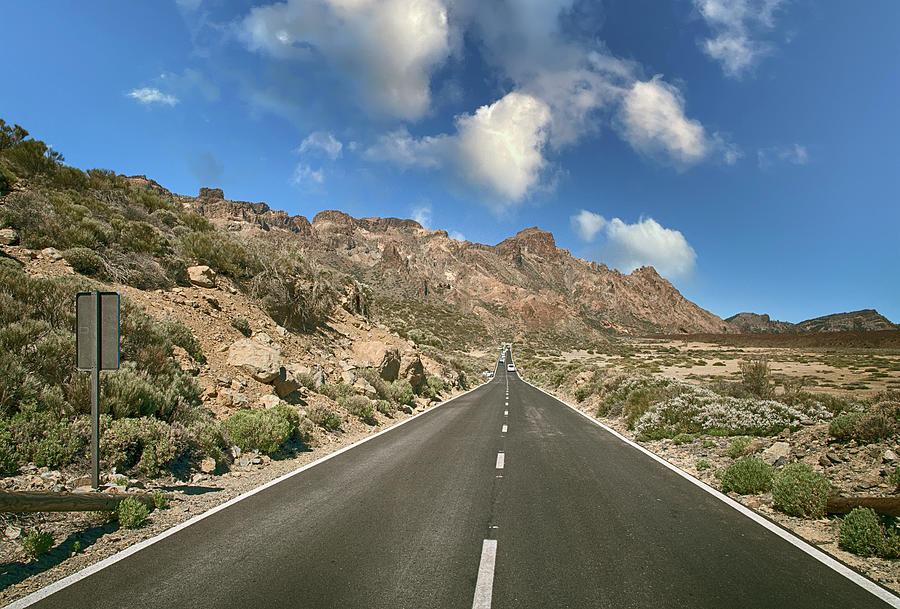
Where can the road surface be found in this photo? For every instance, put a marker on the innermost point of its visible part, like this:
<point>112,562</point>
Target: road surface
<point>501,498</point>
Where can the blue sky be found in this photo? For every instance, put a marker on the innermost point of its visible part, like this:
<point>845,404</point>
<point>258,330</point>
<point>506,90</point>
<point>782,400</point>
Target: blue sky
<point>748,149</point>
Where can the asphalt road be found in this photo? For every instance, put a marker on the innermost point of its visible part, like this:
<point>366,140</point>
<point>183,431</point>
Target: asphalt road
<point>579,519</point>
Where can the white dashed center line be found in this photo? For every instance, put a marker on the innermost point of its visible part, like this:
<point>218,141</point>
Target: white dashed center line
<point>500,458</point>
<point>505,413</point>
<point>484,586</point>
<point>503,430</point>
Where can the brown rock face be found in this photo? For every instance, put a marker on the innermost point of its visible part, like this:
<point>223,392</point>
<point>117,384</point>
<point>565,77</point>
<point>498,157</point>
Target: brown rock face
<point>261,361</point>
<point>866,320</point>
<point>522,286</point>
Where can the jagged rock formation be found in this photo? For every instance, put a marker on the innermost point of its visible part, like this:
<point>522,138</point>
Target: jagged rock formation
<point>865,320</point>
<point>522,286</point>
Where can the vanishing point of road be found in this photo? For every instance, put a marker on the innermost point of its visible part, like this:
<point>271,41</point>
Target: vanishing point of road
<point>503,497</point>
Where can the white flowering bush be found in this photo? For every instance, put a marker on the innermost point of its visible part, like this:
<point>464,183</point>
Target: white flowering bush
<point>699,410</point>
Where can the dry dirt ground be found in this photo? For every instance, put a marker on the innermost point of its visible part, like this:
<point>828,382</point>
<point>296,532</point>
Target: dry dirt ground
<point>845,371</point>
<point>850,468</point>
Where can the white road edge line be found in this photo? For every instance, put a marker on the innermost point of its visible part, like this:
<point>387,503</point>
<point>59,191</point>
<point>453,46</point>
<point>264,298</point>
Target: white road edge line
<point>819,555</point>
<point>484,585</point>
<point>500,459</point>
<point>504,429</point>
<point>88,571</point>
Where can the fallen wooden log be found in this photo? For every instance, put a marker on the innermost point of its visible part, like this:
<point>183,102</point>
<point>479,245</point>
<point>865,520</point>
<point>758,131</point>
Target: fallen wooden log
<point>889,506</point>
<point>50,501</point>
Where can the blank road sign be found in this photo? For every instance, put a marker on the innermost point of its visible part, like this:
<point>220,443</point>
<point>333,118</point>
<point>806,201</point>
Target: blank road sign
<point>86,330</point>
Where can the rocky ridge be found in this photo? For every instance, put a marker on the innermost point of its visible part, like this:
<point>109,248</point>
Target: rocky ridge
<point>522,287</point>
<point>865,320</point>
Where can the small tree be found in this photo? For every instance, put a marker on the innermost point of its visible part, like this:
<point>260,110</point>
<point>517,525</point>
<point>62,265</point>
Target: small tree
<point>757,378</point>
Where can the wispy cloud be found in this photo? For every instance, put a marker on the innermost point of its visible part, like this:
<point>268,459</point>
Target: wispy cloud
<point>422,215</point>
<point>304,175</point>
<point>149,96</point>
<point>736,25</point>
<point>321,142</point>
<point>643,243</point>
<point>455,234</point>
<point>794,154</point>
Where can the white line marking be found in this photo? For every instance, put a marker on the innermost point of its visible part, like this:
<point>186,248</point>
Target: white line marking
<point>505,413</point>
<point>503,430</point>
<point>88,571</point>
<point>484,586</point>
<point>819,555</point>
<point>500,459</point>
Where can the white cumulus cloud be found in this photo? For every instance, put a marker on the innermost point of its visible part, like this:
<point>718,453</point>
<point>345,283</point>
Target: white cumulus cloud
<point>498,148</point>
<point>149,95</point>
<point>735,24</point>
<point>387,48</point>
<point>321,142</point>
<point>644,243</point>
<point>587,224</point>
<point>653,121</point>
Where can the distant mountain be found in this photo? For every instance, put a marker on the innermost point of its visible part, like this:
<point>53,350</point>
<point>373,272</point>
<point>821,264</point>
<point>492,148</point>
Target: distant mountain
<point>523,286</point>
<point>866,320</point>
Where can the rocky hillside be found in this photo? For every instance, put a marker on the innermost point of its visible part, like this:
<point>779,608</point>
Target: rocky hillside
<point>441,291</point>
<point>866,320</point>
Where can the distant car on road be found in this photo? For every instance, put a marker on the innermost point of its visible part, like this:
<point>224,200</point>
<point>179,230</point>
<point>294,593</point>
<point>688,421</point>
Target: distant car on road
<point>511,367</point>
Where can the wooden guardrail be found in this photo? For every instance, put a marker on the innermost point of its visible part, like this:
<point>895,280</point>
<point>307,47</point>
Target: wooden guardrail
<point>889,506</point>
<point>50,501</point>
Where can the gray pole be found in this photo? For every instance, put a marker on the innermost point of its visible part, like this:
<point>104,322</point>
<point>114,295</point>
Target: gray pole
<point>95,401</point>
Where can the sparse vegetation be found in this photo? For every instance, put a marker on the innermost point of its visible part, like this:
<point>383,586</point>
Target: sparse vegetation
<point>262,430</point>
<point>361,407</point>
<point>799,490</point>
<point>738,447</point>
<point>683,438</point>
<point>131,513</point>
<point>748,476</point>
<point>325,418</point>
<point>36,543</point>
<point>241,325</point>
<point>703,464</point>
<point>159,500</point>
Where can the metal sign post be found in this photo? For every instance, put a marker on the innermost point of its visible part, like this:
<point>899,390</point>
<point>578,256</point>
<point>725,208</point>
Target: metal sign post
<point>96,349</point>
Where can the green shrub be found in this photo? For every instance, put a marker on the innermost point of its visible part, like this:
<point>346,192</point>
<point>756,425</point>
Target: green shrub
<point>131,513</point>
<point>146,443</point>
<point>894,477</point>
<point>336,391</point>
<point>709,444</point>
<point>748,476</point>
<point>325,418</point>
<point>402,392</point>
<point>129,393</point>
<point>683,438</point>
<point>877,424</point>
<point>799,490</point>
<point>862,532</point>
<point>85,261</point>
<point>385,408</point>
<point>36,543</point>
<point>738,447</point>
<point>241,325</point>
<point>361,407</point>
<point>159,500</point>
<point>382,387</point>
<point>435,386</point>
<point>703,464</point>
<point>263,430</point>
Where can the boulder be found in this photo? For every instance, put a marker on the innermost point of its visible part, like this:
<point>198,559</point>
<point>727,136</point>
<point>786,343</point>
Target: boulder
<point>413,371</point>
<point>365,388</point>
<point>269,401</point>
<point>389,368</point>
<point>202,276</point>
<point>347,376</point>
<point>8,236</point>
<point>778,450</point>
<point>51,253</point>
<point>262,362</point>
<point>889,456</point>
<point>208,465</point>
<point>232,399</point>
